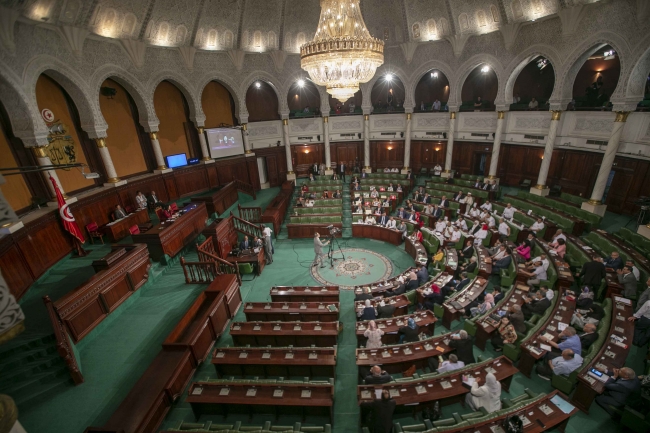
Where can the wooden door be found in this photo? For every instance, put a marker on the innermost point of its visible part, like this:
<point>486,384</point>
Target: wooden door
<point>272,170</point>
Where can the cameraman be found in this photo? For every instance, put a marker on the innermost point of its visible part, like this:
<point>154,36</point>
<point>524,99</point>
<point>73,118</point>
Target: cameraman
<point>318,249</point>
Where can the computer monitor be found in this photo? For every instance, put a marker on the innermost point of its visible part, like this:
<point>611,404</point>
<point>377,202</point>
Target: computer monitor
<point>178,160</point>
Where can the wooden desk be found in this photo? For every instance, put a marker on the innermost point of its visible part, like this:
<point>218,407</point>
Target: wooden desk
<point>399,358</point>
<point>588,388</point>
<point>169,238</point>
<point>220,200</point>
<point>401,304</point>
<point>84,307</point>
<point>228,284</point>
<point>416,250</point>
<point>564,277</point>
<point>613,286</point>
<point>425,319</point>
<point>297,334</point>
<point>451,260</point>
<point>120,229</point>
<point>462,299</point>
<point>386,285</point>
<point>328,294</point>
<point>290,312</point>
<point>486,326</point>
<point>484,266</point>
<point>256,259</point>
<point>531,352</point>
<point>378,233</point>
<point>238,399</point>
<point>274,362</point>
<point>555,420</point>
<point>432,389</point>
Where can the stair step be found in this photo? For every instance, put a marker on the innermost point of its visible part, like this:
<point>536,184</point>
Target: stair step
<point>52,387</point>
<point>35,381</point>
<point>25,342</point>
<point>24,370</point>
<point>20,357</point>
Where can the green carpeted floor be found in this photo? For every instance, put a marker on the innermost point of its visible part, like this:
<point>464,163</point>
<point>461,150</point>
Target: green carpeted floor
<point>115,356</point>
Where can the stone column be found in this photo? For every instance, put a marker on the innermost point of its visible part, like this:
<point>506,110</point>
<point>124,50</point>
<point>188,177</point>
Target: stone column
<point>204,146</point>
<point>541,188</point>
<point>407,145</point>
<point>366,144</point>
<point>247,144</point>
<point>328,153</point>
<point>44,160</point>
<point>496,147</point>
<point>287,148</point>
<point>450,145</point>
<point>160,161</point>
<point>112,180</point>
<point>595,205</point>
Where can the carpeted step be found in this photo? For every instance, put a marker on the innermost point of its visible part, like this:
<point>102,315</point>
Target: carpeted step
<point>20,357</point>
<point>34,382</point>
<point>23,370</point>
<point>48,387</point>
<point>25,342</point>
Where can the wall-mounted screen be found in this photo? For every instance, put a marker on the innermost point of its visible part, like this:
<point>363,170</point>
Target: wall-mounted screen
<point>177,160</point>
<point>224,142</point>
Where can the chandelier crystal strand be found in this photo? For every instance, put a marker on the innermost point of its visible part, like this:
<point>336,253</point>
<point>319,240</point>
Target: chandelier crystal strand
<point>342,54</point>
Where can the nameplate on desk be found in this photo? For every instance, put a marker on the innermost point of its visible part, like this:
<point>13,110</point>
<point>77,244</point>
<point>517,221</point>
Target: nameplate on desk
<point>393,393</point>
<point>610,354</point>
<point>399,323</point>
<point>266,355</point>
<point>620,307</point>
<point>546,410</point>
<point>382,326</point>
<point>620,318</point>
<point>267,307</point>
<point>306,393</point>
<point>313,355</point>
<point>249,306</point>
<point>427,346</point>
<point>490,370</point>
<point>323,290</point>
<point>303,307</point>
<point>318,328</point>
<point>445,385</point>
<point>278,393</point>
<point>321,307</point>
<point>243,355</point>
<point>307,290</point>
<point>297,328</point>
<point>251,392</point>
<point>385,354</point>
<point>361,327</point>
<point>407,351</point>
<point>619,329</point>
<point>557,317</point>
<point>525,421</point>
<point>420,389</point>
<point>257,328</point>
<point>197,391</point>
<point>236,328</point>
<point>224,391</point>
<point>363,355</point>
<point>277,328</point>
<point>551,328</point>
<point>220,354</point>
<point>418,319</point>
<point>366,395</point>
<point>288,355</point>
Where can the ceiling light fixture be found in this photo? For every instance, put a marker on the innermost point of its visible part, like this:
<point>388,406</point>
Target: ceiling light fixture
<point>389,77</point>
<point>345,55</point>
<point>301,83</point>
<point>258,84</point>
<point>434,74</point>
<point>485,69</point>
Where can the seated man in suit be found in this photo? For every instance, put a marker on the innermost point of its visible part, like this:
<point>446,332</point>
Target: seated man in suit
<point>385,311</point>
<point>468,251</point>
<point>502,263</point>
<point>464,346</point>
<point>427,198</point>
<point>538,305</point>
<point>588,336</point>
<point>622,384</point>
<point>468,267</point>
<point>614,261</point>
<point>391,223</point>
<point>366,293</point>
<point>459,196</point>
<point>153,201</point>
<point>245,244</point>
<point>410,284</point>
<point>422,274</point>
<point>628,280</point>
<point>444,202</point>
<point>455,285</point>
<point>383,219</point>
<point>436,363</point>
<point>119,212</point>
<point>377,376</point>
<point>402,228</point>
<point>403,214</point>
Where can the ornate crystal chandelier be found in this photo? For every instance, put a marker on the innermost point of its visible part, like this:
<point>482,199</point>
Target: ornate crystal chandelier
<point>342,54</point>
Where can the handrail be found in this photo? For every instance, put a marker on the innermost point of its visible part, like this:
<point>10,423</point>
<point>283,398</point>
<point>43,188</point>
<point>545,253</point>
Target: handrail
<point>244,187</point>
<point>206,271</point>
<point>63,343</point>
<point>246,227</point>
<point>250,214</point>
<point>207,254</point>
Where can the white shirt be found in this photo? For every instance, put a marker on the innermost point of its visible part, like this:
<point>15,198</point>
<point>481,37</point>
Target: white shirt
<point>537,226</point>
<point>469,200</point>
<point>545,262</point>
<point>462,225</point>
<point>479,236</point>
<point>644,311</point>
<point>370,220</point>
<point>508,213</point>
<point>560,236</point>
<point>437,169</point>
<point>503,228</point>
<point>474,212</point>
<point>390,224</point>
<point>450,366</point>
<point>487,206</point>
<point>440,226</point>
<point>636,272</point>
<point>491,221</point>
<point>266,232</point>
<point>540,273</point>
<point>436,106</point>
<point>455,236</point>
<point>500,254</point>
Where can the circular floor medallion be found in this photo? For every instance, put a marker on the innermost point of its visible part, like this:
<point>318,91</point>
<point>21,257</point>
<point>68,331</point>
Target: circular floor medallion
<point>359,268</point>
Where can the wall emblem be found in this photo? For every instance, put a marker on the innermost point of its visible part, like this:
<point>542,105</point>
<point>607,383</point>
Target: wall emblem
<point>61,149</point>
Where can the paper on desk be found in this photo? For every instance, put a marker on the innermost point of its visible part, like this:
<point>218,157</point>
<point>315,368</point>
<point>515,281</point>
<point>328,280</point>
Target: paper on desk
<point>546,347</point>
<point>378,393</point>
<point>470,381</point>
<point>562,404</point>
<point>561,326</point>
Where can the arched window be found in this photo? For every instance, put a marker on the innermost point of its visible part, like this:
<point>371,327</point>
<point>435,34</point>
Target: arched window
<point>228,40</point>
<point>463,21</point>
<point>181,32</point>
<point>212,38</point>
<point>444,27</point>
<point>431,28</point>
<point>163,32</point>
<point>480,18</point>
<point>416,31</point>
<point>129,24</point>
<point>257,39</point>
<point>495,13</point>
<point>517,10</point>
<point>273,41</point>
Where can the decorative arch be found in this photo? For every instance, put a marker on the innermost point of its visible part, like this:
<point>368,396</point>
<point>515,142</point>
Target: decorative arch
<point>92,120</point>
<point>635,83</point>
<point>423,69</point>
<point>25,118</point>
<point>196,111</point>
<point>146,112</point>
<point>469,65</point>
<point>515,67</point>
<point>366,89</point>
<point>229,85</point>
<point>283,107</point>
<point>580,55</point>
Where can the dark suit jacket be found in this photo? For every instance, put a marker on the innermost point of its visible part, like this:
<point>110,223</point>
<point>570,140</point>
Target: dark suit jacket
<point>587,340</point>
<point>468,252</point>
<point>410,335</point>
<point>243,246</point>
<point>119,214</point>
<point>444,203</point>
<point>461,285</point>
<point>368,314</point>
<point>620,390</point>
<point>152,199</point>
<point>385,312</point>
<point>404,215</point>
<point>471,267</point>
<point>517,320</point>
<point>539,307</point>
<point>498,297</point>
<point>378,380</point>
<point>383,220</point>
<point>592,273</point>
<point>464,349</point>
<point>423,276</point>
<point>502,263</point>
<point>363,297</point>
<point>615,264</point>
<point>438,213</point>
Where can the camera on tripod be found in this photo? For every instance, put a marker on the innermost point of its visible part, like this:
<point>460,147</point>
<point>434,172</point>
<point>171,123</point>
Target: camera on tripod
<point>333,230</point>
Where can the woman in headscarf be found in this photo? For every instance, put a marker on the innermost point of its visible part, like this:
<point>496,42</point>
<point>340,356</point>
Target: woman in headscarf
<point>367,312</point>
<point>487,303</point>
<point>409,333</point>
<point>432,295</point>
<point>523,252</point>
<point>585,300</point>
<point>487,395</point>
<point>373,334</point>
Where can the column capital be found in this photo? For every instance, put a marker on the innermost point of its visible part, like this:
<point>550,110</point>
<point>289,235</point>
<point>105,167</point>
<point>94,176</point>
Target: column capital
<point>556,114</point>
<point>326,119</point>
<point>101,142</point>
<point>621,116</point>
<point>452,115</point>
<point>501,114</point>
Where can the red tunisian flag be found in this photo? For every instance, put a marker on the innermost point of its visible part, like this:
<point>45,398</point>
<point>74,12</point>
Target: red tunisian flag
<point>66,215</point>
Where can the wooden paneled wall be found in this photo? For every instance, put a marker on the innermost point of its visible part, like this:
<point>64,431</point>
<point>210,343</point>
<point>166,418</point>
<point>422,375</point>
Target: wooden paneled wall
<point>427,154</point>
<point>218,105</point>
<point>348,153</point>
<point>610,70</point>
<point>276,164</point>
<point>305,155</point>
<point>15,188</point>
<point>169,104</point>
<point>532,82</point>
<point>262,104</point>
<point>28,253</point>
<point>387,154</point>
